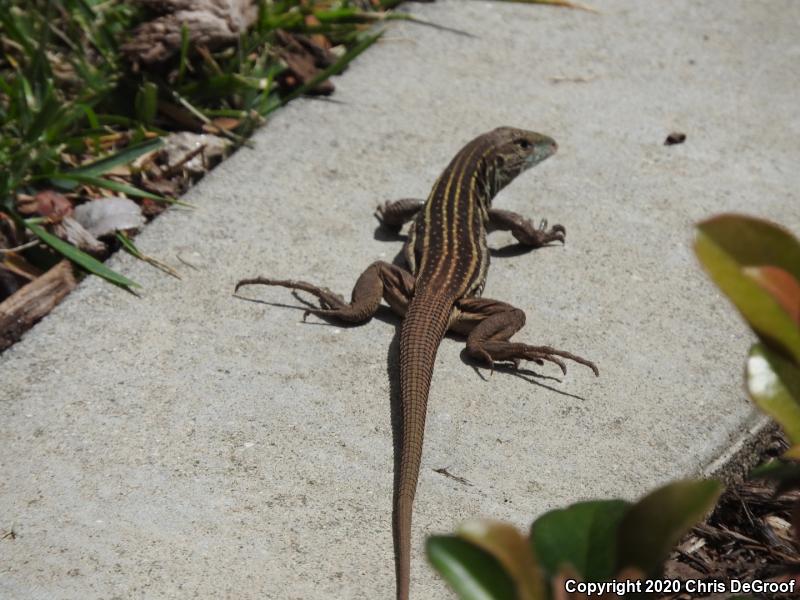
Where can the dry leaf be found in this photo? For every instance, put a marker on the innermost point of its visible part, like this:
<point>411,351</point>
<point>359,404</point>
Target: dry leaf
<point>46,203</point>
<point>73,232</point>
<point>178,146</point>
<point>106,216</point>
<point>210,23</point>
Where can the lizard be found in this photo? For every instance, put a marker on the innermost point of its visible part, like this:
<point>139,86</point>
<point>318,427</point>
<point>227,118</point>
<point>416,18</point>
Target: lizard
<point>447,258</point>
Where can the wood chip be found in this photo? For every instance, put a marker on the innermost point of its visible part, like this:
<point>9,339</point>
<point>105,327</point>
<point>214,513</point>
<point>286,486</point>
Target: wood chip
<point>20,311</point>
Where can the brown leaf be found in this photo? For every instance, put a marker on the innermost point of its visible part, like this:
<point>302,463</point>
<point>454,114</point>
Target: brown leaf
<point>319,39</point>
<point>226,123</point>
<point>46,203</point>
<point>19,266</point>
<point>73,232</point>
<point>304,59</point>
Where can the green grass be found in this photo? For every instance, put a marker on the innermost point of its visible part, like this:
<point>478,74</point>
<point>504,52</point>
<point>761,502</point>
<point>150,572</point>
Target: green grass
<point>72,108</point>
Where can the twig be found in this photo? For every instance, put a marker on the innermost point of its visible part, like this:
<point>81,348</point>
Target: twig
<point>25,246</point>
<point>446,473</point>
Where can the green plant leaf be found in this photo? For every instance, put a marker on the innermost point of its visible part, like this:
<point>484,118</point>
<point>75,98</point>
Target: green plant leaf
<point>651,527</point>
<point>471,572</point>
<point>50,113</point>
<point>785,472</point>
<point>146,102</point>
<point>781,285</point>
<point>69,179</point>
<point>729,246</point>
<point>512,551</point>
<point>754,242</point>
<point>108,184</point>
<point>184,56</point>
<point>583,535</point>
<point>774,385</point>
<point>79,257</point>
<point>131,249</point>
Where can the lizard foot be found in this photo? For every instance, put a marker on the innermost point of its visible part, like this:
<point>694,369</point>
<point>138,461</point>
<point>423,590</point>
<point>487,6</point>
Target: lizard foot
<point>530,235</point>
<point>513,353</point>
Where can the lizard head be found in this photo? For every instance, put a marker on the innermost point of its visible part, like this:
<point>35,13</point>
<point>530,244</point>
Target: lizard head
<point>514,151</point>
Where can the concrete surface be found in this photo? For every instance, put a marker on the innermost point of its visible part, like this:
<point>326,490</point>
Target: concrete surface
<point>189,444</point>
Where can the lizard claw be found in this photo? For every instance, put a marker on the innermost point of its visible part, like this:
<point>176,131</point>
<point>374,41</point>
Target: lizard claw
<point>381,214</point>
<point>556,233</point>
<point>529,234</point>
<point>380,210</point>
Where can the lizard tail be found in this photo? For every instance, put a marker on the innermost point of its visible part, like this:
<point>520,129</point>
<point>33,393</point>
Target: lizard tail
<point>423,328</point>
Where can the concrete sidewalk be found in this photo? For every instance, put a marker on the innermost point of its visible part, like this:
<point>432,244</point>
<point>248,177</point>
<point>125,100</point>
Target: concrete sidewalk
<point>190,444</point>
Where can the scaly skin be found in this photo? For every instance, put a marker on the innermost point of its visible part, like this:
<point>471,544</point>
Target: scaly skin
<point>447,258</point>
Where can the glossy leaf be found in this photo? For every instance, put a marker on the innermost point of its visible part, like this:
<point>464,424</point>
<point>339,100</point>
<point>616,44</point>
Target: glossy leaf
<point>652,526</point>
<point>781,285</point>
<point>80,258</point>
<point>774,385</point>
<point>473,573</point>
<point>512,551</point>
<point>726,246</point>
<point>583,536</point>
<point>754,241</point>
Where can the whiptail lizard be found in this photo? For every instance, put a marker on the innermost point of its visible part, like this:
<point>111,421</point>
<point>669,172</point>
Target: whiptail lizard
<point>447,259</point>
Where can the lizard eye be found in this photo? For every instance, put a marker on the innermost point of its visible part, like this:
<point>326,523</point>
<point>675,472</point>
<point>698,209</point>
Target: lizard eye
<point>523,143</point>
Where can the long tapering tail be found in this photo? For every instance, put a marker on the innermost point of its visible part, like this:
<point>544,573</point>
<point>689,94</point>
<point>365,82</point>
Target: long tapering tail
<point>423,328</point>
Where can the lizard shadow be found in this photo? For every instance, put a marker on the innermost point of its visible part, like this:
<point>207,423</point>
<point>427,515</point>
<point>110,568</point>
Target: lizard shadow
<point>527,375</point>
<point>512,250</point>
<point>384,314</point>
<point>383,233</point>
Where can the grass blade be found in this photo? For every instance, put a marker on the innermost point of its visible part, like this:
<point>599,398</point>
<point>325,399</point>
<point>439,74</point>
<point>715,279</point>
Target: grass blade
<point>79,257</point>
<point>130,247</point>
<point>123,157</point>
<point>108,184</point>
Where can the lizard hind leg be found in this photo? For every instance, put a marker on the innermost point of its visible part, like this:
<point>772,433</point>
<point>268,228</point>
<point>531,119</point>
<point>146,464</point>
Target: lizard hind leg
<point>489,325</point>
<point>379,280</point>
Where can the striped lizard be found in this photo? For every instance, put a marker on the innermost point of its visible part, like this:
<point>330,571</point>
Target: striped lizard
<point>447,259</point>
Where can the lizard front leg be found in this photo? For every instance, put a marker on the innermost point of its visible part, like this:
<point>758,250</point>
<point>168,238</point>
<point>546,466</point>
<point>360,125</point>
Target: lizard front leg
<point>524,230</point>
<point>489,325</point>
<point>394,215</point>
<point>379,280</point>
